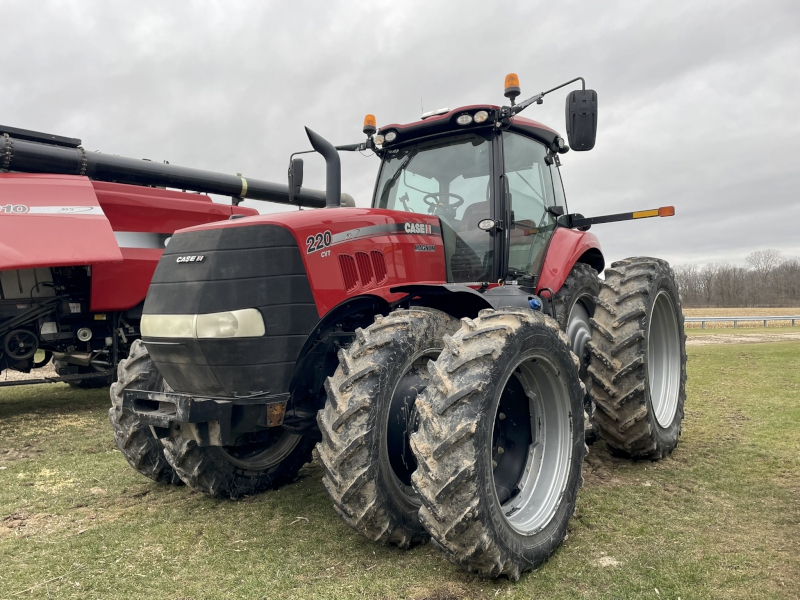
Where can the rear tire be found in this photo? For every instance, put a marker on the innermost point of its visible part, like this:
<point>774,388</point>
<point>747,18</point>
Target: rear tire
<point>500,443</point>
<point>367,419</point>
<point>232,472</point>
<point>638,362</point>
<point>575,306</point>
<point>138,445</point>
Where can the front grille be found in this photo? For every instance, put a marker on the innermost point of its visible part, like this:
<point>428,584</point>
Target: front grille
<point>256,266</point>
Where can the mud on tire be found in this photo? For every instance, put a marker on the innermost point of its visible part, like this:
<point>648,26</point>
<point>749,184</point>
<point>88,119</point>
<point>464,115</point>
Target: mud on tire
<point>367,419</point>
<point>232,472</point>
<point>138,445</point>
<point>638,365</point>
<point>575,305</point>
<point>503,414</point>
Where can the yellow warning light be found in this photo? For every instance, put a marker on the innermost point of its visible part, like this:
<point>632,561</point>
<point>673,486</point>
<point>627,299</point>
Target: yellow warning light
<point>370,125</point>
<point>512,86</point>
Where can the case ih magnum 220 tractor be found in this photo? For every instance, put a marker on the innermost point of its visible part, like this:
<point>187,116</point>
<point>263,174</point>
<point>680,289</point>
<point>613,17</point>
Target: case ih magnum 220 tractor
<point>80,236</point>
<point>437,347</point>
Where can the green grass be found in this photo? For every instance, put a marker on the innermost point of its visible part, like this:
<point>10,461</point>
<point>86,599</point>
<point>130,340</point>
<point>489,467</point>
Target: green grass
<point>720,518</point>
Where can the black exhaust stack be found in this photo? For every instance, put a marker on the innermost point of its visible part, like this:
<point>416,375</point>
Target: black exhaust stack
<point>333,168</point>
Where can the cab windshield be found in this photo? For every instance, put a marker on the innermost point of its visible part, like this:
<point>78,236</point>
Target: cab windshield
<point>451,179</point>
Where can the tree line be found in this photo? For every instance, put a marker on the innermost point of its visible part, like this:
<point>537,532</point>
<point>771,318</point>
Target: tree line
<point>767,280</point>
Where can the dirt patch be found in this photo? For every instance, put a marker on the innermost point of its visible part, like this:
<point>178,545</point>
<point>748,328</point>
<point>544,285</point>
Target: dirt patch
<point>452,591</point>
<point>46,371</point>
<point>606,561</point>
<point>24,524</point>
<point>744,338</point>
<point>7,456</point>
<point>599,468</point>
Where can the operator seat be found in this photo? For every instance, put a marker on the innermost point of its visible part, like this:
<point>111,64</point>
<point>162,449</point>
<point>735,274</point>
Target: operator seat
<point>473,215</point>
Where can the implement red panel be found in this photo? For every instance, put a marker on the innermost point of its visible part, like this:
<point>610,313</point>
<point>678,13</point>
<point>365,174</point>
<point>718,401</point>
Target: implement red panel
<point>52,221</point>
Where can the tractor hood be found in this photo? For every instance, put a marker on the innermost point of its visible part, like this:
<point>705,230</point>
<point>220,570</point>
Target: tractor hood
<point>52,221</point>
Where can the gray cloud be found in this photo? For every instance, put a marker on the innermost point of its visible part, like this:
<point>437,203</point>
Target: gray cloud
<point>697,100</point>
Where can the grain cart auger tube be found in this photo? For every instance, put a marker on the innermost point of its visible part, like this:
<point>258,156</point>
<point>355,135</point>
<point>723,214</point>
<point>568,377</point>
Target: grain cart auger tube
<point>438,346</point>
<point>80,236</point>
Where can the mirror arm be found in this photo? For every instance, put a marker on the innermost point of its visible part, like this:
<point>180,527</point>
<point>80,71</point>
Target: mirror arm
<point>367,145</point>
<point>538,97</point>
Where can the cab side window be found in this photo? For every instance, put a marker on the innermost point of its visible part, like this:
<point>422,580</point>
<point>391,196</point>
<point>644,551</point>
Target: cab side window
<point>531,193</point>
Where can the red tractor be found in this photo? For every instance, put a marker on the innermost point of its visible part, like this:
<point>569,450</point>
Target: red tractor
<point>446,350</point>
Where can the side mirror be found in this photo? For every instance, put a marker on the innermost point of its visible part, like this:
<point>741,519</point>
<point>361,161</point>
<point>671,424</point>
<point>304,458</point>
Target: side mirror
<point>295,178</point>
<point>581,113</point>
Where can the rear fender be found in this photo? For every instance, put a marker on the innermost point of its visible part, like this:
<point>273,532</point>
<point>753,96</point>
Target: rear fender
<point>566,248</point>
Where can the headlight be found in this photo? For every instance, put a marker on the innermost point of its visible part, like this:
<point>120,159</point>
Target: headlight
<point>481,116</point>
<point>168,326</point>
<point>391,136</point>
<point>379,139</point>
<point>247,322</point>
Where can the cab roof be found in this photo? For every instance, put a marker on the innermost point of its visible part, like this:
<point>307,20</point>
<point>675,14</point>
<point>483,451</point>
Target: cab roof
<point>447,122</point>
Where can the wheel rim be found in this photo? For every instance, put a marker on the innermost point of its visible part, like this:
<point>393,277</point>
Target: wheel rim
<point>403,420</point>
<point>257,457</point>
<point>664,359</point>
<point>579,332</point>
<point>532,444</point>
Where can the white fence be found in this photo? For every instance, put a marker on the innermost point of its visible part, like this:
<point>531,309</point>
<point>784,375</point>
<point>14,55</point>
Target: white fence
<point>704,320</point>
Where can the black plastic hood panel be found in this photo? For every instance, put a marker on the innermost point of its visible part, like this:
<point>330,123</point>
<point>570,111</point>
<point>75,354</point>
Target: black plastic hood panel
<point>259,266</point>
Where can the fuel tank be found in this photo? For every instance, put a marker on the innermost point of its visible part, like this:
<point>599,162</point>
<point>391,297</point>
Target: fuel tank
<point>293,269</point>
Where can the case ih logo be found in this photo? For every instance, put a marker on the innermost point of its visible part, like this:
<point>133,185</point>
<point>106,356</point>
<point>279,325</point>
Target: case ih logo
<point>188,259</point>
<point>418,228</point>
<point>13,209</point>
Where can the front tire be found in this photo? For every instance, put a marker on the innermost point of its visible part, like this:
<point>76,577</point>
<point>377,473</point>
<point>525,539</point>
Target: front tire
<point>639,359</point>
<point>235,471</point>
<point>500,443</point>
<point>367,419</point>
<point>135,441</point>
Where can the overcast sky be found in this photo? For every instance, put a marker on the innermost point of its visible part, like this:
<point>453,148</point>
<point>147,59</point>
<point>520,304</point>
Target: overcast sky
<point>699,101</point>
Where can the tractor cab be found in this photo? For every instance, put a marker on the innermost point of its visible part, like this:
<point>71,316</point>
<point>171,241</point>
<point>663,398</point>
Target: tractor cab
<point>496,190</point>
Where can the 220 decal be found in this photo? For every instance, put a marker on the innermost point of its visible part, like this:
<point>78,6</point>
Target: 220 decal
<point>318,242</point>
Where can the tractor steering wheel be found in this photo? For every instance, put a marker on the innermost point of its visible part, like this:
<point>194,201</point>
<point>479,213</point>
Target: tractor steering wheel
<point>437,194</point>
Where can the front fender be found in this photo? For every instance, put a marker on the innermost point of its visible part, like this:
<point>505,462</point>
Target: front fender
<point>567,247</point>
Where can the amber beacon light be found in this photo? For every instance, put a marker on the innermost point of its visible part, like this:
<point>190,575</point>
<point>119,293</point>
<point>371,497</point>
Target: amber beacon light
<point>512,87</point>
<point>370,125</point>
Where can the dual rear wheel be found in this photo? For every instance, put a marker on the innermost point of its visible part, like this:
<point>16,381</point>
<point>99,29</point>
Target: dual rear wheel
<point>497,430</point>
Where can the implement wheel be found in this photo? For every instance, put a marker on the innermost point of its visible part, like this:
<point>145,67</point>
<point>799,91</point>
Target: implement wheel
<point>638,362</point>
<point>500,443</point>
<point>368,417</point>
<point>138,445</point>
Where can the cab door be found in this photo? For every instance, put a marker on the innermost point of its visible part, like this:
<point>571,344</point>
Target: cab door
<point>529,192</point>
